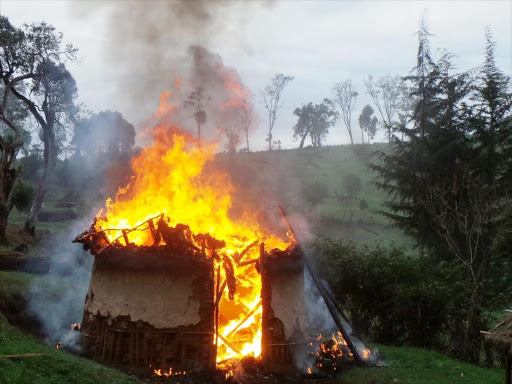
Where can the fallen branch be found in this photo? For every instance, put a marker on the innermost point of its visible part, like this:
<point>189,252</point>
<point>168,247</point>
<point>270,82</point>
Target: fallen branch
<point>23,355</point>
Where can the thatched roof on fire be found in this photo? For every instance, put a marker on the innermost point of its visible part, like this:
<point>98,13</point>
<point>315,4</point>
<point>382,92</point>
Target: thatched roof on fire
<point>501,335</point>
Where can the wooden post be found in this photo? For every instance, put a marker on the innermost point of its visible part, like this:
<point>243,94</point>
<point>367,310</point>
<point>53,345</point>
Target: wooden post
<point>331,306</point>
<point>507,369</point>
<point>125,237</point>
<point>217,303</point>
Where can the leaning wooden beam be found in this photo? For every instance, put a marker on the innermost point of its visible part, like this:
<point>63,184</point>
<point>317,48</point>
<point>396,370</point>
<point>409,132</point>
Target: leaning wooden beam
<point>331,306</point>
<point>230,346</point>
<point>246,317</point>
<point>221,292</point>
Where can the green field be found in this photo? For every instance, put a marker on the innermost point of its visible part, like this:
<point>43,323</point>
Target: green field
<point>280,177</point>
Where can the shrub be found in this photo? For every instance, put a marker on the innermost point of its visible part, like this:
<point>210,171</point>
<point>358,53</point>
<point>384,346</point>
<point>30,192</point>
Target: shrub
<point>390,296</point>
<point>22,196</point>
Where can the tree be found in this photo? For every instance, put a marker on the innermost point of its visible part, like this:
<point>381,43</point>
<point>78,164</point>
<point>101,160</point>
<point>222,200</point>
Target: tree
<point>315,121</point>
<point>314,193</point>
<point>37,53</point>
<point>197,101</point>
<point>105,135</point>
<point>351,187</point>
<point>372,129</point>
<point>233,138</point>
<point>386,95</point>
<point>245,112</point>
<point>272,99</point>
<point>365,121</point>
<point>345,96</point>
<point>447,180</point>
<point>304,123</point>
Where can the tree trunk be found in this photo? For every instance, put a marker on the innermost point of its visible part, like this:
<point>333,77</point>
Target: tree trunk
<point>6,186</point>
<point>350,133</point>
<point>362,136</point>
<point>4,215</point>
<point>247,139</point>
<point>198,130</point>
<point>270,139</point>
<point>303,139</point>
<point>50,160</point>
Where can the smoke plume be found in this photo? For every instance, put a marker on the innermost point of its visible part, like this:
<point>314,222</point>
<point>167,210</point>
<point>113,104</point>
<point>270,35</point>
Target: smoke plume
<point>147,42</point>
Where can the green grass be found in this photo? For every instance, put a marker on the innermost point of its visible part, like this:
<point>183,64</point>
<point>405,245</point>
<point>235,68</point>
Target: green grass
<point>55,366</point>
<point>298,169</point>
<point>418,366</point>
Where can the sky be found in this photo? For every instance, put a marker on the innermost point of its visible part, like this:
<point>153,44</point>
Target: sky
<point>318,42</point>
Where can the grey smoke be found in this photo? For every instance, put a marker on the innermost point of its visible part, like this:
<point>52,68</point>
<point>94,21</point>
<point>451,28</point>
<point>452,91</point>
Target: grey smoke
<point>57,300</point>
<point>147,42</point>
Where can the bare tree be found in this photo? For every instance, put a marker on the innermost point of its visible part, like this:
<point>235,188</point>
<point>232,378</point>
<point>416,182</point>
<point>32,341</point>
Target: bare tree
<point>244,113</point>
<point>345,97</point>
<point>233,138</point>
<point>197,101</point>
<point>272,94</point>
<point>386,94</point>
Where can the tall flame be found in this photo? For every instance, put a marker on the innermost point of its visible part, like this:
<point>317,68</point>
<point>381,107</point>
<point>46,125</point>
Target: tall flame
<point>175,177</point>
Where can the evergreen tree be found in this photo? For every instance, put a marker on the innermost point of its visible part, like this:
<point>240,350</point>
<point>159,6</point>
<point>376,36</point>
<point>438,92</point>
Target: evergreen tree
<point>446,179</point>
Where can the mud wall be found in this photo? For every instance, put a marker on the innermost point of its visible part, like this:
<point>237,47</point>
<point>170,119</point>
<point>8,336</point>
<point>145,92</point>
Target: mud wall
<point>150,307</point>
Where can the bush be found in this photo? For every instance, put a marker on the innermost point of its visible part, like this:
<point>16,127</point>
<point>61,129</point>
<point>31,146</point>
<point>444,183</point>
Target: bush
<point>314,192</point>
<point>22,196</point>
<point>390,296</point>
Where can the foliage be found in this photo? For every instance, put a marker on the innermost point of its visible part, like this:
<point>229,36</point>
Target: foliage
<point>105,135</point>
<point>22,196</point>
<point>315,121</point>
<point>447,181</point>
<point>351,184</point>
<point>393,297</point>
<point>314,192</point>
<point>367,123</point>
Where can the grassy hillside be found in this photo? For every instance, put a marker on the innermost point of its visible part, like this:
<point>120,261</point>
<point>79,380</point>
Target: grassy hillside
<point>285,176</point>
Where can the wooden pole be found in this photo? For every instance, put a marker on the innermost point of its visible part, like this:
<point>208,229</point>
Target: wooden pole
<point>217,300</point>
<point>331,306</point>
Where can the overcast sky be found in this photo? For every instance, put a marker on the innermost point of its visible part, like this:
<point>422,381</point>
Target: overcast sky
<point>317,42</point>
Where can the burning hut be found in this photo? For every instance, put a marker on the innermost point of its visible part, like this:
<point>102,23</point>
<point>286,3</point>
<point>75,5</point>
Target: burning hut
<point>159,306</point>
<point>178,284</point>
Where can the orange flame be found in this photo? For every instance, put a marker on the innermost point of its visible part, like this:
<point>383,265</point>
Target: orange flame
<point>175,177</point>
